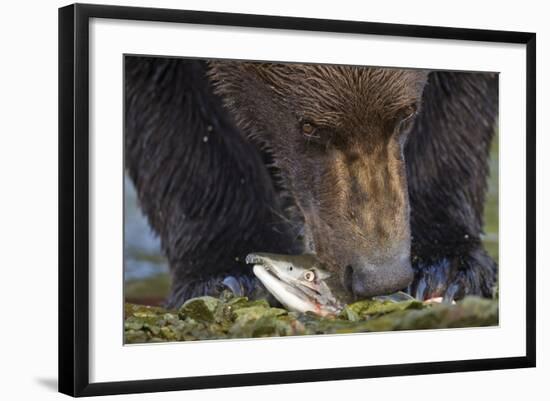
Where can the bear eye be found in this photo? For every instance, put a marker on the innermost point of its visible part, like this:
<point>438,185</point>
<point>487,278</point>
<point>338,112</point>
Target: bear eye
<point>309,275</point>
<point>405,119</point>
<point>308,129</point>
<point>408,113</point>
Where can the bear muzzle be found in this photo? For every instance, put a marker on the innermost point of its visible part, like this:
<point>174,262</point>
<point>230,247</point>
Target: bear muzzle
<point>366,279</point>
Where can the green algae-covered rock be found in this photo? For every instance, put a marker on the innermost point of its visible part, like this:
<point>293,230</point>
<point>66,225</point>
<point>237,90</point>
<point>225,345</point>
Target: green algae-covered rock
<point>208,318</point>
<point>471,312</point>
<point>255,312</point>
<point>202,309</point>
<point>364,309</point>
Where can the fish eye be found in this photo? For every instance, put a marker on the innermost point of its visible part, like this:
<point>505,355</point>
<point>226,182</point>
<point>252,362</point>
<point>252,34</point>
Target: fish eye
<point>309,276</point>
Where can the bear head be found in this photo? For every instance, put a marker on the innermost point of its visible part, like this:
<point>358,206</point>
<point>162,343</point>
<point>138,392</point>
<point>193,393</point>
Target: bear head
<point>337,135</point>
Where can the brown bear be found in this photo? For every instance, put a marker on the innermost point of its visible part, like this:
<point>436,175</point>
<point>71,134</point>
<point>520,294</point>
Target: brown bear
<point>380,172</point>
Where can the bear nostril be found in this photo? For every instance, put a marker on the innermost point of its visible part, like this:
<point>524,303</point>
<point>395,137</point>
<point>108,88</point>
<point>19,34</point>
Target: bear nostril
<point>348,278</point>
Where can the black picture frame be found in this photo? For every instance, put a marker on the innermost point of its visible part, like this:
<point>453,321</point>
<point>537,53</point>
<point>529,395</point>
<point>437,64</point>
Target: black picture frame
<point>74,198</point>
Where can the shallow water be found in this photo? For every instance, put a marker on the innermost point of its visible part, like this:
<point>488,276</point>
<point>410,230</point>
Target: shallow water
<point>142,255</point>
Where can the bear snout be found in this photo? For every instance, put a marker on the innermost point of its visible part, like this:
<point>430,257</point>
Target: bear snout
<point>365,279</point>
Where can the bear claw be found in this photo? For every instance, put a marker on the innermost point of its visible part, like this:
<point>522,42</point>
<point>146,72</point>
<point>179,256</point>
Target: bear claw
<point>232,284</point>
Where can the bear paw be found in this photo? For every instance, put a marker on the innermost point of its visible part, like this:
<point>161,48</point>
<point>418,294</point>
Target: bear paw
<point>453,278</point>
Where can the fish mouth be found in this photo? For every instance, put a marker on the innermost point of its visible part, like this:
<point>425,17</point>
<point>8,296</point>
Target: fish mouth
<point>255,258</point>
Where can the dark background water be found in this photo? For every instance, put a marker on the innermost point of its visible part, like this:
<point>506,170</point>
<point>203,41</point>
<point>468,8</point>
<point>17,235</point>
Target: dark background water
<point>146,270</point>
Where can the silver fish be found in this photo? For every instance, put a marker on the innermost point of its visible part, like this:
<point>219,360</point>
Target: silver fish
<point>301,283</point>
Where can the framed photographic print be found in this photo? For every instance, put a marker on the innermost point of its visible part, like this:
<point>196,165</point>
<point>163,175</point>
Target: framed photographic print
<point>249,199</point>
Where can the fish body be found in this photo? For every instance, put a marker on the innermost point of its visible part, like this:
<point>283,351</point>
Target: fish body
<point>300,282</point>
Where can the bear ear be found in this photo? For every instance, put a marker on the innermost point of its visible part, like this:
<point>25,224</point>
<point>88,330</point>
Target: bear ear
<point>231,78</point>
<point>228,76</point>
<point>224,74</point>
<point>219,69</point>
<point>226,71</point>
